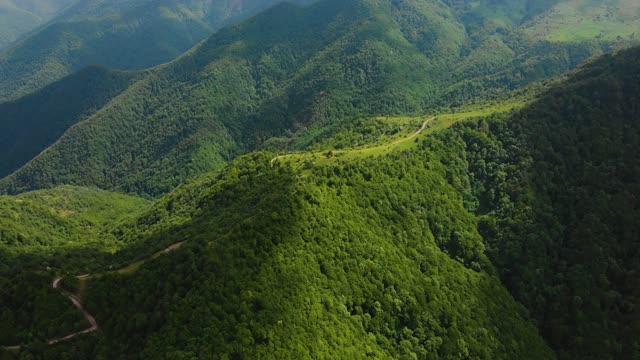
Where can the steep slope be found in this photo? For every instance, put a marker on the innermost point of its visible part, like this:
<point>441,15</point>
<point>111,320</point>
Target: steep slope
<point>557,188</point>
<point>62,228</point>
<point>347,262</point>
<point>33,123</point>
<point>131,34</point>
<point>242,86</point>
<point>284,71</point>
<point>19,17</point>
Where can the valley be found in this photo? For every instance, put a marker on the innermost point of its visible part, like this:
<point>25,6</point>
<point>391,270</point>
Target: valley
<point>406,179</point>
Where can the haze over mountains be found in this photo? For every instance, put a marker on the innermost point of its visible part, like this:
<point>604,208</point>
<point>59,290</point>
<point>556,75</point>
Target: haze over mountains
<point>406,179</point>
<point>138,34</point>
<point>131,34</point>
<point>263,78</point>
<point>19,17</point>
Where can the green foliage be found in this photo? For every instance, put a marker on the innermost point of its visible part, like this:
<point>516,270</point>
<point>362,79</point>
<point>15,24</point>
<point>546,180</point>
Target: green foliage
<point>32,123</point>
<point>391,251</point>
<point>127,35</point>
<point>555,188</point>
<point>49,223</point>
<point>315,67</point>
<point>32,311</point>
<point>373,258</point>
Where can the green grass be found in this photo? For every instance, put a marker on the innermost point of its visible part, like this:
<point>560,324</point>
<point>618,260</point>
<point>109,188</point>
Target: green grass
<point>133,267</point>
<point>305,160</point>
<point>505,14</point>
<point>581,20</point>
<point>64,217</point>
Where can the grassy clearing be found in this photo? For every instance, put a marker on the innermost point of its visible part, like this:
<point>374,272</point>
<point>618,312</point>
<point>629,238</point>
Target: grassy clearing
<point>305,161</point>
<point>131,268</point>
<point>581,20</point>
<point>136,265</point>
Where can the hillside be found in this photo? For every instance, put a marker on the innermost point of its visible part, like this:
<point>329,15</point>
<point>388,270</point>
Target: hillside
<point>46,221</point>
<point>126,35</point>
<point>313,67</point>
<point>19,17</point>
<point>278,262</point>
<point>34,122</point>
<point>543,190</point>
<point>557,189</point>
<point>401,248</point>
<point>62,228</point>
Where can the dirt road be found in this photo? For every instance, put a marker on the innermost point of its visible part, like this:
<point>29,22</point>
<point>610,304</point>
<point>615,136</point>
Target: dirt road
<point>424,126</point>
<point>76,302</point>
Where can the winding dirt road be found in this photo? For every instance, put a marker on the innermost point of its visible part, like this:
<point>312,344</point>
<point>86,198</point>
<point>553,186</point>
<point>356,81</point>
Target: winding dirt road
<point>424,126</point>
<point>78,304</point>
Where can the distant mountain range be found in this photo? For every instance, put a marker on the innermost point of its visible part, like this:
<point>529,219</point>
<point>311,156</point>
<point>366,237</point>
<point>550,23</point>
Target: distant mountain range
<point>286,69</point>
<point>136,34</point>
<point>122,34</point>
<point>19,17</point>
<point>390,179</point>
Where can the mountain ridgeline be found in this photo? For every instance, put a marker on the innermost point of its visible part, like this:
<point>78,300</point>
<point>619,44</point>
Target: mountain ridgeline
<point>397,254</point>
<point>343,180</point>
<point>19,17</point>
<point>286,70</point>
<point>125,35</point>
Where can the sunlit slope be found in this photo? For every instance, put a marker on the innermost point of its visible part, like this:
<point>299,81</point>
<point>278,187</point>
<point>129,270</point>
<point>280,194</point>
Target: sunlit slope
<point>244,85</point>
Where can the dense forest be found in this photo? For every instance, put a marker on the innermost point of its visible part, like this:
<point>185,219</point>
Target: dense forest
<point>34,122</point>
<point>122,34</point>
<point>315,66</point>
<point>407,253</point>
<point>352,179</point>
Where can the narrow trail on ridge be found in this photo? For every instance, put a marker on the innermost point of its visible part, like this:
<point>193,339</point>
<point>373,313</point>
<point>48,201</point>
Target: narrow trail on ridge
<point>422,128</point>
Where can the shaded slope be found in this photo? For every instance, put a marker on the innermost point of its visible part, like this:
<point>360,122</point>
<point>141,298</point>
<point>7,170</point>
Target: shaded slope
<point>33,123</point>
<point>41,232</point>
<point>345,263</point>
<point>126,35</point>
<point>557,188</point>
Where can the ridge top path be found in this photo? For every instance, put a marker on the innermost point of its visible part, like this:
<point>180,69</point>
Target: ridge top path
<point>424,126</point>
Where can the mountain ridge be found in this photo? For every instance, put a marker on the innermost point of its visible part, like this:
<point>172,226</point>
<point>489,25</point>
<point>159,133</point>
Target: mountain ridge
<point>284,81</point>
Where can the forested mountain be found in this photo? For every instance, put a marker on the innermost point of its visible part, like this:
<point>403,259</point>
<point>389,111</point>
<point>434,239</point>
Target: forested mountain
<point>134,34</point>
<point>397,252</point>
<point>19,17</point>
<point>557,188</point>
<point>61,221</point>
<point>58,228</point>
<point>34,122</point>
<point>348,179</point>
<point>123,34</point>
<point>287,69</point>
